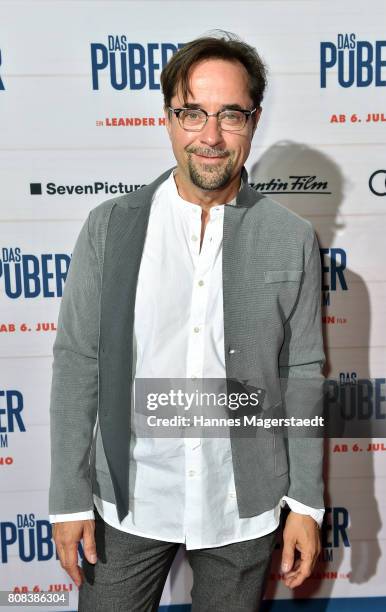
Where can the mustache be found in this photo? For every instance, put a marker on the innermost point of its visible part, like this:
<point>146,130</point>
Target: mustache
<point>208,152</point>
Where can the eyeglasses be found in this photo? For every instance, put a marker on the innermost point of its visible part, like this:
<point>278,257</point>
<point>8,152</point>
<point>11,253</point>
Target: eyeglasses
<point>195,119</point>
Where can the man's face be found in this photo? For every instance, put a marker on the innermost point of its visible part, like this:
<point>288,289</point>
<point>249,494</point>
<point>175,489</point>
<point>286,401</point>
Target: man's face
<point>211,158</point>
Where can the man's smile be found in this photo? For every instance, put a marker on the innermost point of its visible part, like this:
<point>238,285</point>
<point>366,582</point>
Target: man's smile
<point>207,156</point>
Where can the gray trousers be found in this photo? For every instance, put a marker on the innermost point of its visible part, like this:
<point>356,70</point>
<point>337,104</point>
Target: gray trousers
<point>131,572</point>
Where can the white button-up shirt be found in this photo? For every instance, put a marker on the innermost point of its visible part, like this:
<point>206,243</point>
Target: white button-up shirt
<point>183,489</point>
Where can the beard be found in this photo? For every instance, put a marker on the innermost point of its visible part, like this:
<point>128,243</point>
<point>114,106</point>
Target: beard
<point>209,176</point>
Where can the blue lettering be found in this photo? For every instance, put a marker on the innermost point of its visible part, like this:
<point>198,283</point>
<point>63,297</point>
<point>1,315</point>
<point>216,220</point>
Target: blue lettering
<point>151,47</point>
<point>335,269</point>
<point>13,294</point>
<point>379,398</point>
<point>35,277</point>
<point>46,276</point>
<point>364,399</point>
<point>131,64</point>
<point>137,66</point>
<point>364,63</point>
<point>379,63</point>
<point>122,84</point>
<point>34,539</point>
<point>359,63</point>
<point>7,539</point>
<point>167,50</point>
<point>31,277</point>
<point>25,520</point>
<point>45,547</point>
<point>97,64</point>
<point>9,255</point>
<point>349,68</point>
<point>336,527</point>
<point>24,556</point>
<point>14,406</point>
<point>61,275</point>
<point>327,60</point>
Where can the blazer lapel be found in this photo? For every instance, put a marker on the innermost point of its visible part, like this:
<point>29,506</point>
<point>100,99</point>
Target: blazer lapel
<point>235,262</point>
<point>123,251</point>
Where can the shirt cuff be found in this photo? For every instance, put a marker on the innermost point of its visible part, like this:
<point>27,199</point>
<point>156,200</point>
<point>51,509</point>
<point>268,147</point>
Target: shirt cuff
<point>316,513</point>
<point>73,516</point>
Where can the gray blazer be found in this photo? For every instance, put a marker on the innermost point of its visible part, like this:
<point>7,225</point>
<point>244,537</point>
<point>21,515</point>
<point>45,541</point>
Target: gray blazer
<point>272,331</point>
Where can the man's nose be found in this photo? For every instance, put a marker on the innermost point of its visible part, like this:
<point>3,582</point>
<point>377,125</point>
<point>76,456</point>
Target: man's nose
<point>211,134</point>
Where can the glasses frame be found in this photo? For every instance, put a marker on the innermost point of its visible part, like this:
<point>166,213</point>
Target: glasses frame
<point>247,113</point>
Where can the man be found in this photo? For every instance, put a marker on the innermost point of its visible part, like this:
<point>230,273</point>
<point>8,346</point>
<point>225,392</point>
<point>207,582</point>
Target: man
<point>194,276</point>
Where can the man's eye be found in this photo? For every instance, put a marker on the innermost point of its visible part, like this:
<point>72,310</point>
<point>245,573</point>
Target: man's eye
<point>231,116</point>
<point>192,115</point>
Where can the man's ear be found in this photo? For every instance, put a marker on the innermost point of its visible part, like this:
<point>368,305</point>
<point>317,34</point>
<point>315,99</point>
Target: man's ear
<point>256,117</point>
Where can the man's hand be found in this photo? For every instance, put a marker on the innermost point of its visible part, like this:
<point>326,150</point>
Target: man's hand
<point>67,536</point>
<point>300,533</point>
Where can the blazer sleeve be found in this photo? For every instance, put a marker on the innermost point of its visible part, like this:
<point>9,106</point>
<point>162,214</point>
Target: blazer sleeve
<point>74,390</point>
<point>301,361</point>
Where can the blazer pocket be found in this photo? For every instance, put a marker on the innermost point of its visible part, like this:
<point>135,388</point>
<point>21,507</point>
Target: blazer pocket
<point>277,276</point>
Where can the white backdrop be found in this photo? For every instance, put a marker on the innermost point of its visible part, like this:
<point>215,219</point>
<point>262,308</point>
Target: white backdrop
<point>61,155</point>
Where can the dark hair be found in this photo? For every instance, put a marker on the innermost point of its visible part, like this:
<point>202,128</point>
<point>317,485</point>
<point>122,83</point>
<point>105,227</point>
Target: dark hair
<point>227,47</point>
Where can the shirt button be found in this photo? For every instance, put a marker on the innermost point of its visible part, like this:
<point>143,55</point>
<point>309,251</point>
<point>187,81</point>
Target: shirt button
<point>192,473</point>
<point>196,330</point>
<point>233,494</point>
<point>200,283</point>
<point>194,238</point>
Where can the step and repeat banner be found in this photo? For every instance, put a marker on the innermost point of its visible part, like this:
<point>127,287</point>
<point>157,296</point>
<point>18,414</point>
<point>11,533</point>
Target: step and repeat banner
<point>81,121</point>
